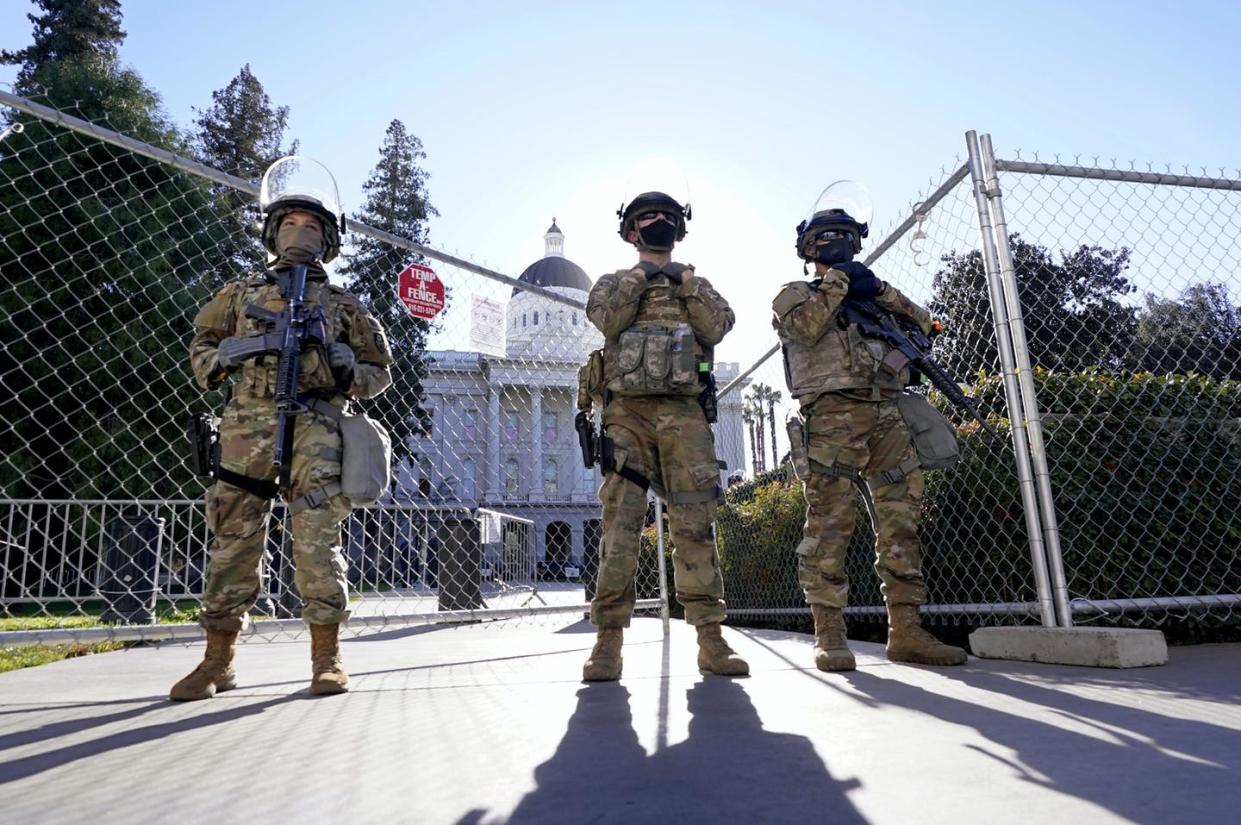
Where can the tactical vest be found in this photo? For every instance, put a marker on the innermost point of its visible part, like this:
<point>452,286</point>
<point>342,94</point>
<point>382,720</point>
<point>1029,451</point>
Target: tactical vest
<point>840,360</point>
<point>658,354</point>
<point>258,375</point>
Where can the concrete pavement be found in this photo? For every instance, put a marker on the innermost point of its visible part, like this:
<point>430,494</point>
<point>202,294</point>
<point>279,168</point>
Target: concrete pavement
<point>489,724</point>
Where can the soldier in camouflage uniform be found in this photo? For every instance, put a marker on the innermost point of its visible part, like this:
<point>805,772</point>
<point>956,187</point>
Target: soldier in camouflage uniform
<point>853,435</point>
<point>300,227</point>
<point>660,322</point>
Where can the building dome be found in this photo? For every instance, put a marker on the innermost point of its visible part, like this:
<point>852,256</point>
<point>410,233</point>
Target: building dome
<point>548,272</point>
<point>539,327</point>
<point>555,270</point>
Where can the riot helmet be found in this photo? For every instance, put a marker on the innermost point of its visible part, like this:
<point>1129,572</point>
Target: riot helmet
<point>657,190</point>
<point>833,230</point>
<point>300,184</point>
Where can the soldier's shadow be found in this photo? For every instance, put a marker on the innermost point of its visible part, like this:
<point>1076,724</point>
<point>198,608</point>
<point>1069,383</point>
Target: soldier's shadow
<point>727,769</point>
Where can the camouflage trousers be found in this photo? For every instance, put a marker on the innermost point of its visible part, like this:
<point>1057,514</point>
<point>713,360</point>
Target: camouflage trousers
<point>667,440</point>
<point>238,519</point>
<point>871,437</point>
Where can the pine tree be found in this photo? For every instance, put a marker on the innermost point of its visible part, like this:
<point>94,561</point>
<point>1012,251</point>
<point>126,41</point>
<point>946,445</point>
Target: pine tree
<point>100,248</point>
<point>67,31</point>
<point>240,133</point>
<point>396,202</point>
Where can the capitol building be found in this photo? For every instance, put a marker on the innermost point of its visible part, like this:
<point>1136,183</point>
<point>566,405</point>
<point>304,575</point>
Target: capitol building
<point>502,436</point>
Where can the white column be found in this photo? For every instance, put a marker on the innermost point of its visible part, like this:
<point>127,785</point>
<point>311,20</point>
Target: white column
<point>493,474</point>
<point>536,443</point>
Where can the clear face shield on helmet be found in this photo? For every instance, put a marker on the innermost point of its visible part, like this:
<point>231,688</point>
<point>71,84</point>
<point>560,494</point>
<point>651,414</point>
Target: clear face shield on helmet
<point>655,204</point>
<point>300,183</point>
<point>836,223</point>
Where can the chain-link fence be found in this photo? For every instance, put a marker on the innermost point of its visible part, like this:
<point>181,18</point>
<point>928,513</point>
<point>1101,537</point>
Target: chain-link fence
<point>1098,329</point>
<point>109,245</point>
<point>1118,451</point>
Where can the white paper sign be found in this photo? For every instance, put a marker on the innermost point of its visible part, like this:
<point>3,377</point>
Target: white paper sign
<point>486,326</point>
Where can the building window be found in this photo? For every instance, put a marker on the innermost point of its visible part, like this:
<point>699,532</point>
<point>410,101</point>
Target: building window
<point>523,319</point>
<point>536,317</point>
<point>512,476</point>
<point>588,479</point>
<point>575,319</point>
<point>510,424</point>
<point>550,472</point>
<point>468,471</point>
<point>549,427</point>
<point>470,428</point>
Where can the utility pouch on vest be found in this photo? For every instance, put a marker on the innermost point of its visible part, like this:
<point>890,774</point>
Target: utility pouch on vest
<point>653,359</point>
<point>590,381</point>
<point>934,440</point>
<point>798,452</point>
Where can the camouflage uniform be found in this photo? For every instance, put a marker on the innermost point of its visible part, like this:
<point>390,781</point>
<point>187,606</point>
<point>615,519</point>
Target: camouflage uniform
<point>852,424</point>
<point>238,518</point>
<point>666,439</point>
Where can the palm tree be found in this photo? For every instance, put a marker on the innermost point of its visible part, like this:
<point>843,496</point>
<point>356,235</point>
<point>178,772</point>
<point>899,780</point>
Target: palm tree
<point>747,415</point>
<point>773,398</point>
<point>758,398</point>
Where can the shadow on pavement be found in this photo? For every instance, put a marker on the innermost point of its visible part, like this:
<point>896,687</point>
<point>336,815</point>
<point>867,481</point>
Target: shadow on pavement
<point>27,766</point>
<point>727,769</point>
<point>1138,764</point>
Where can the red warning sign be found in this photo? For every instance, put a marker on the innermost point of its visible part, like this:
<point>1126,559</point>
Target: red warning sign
<point>420,291</point>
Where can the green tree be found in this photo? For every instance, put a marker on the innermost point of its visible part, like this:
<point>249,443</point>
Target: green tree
<point>396,202</point>
<point>67,31</point>
<point>100,248</point>
<point>1199,332</point>
<point>241,133</point>
<point>1073,316</point>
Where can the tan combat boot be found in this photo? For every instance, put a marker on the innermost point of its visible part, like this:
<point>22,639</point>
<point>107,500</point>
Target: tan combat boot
<point>604,664</point>
<point>714,654</point>
<point>214,673</point>
<point>328,675</point>
<point>908,642</point>
<point>831,649</point>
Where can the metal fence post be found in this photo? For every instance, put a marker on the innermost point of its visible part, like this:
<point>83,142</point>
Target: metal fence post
<point>1012,393</point>
<point>1028,394</point>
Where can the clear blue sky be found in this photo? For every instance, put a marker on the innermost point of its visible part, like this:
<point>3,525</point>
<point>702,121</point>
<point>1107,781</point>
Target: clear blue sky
<point>535,110</point>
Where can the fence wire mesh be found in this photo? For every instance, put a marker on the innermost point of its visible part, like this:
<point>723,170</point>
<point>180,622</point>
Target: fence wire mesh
<point>1129,281</point>
<point>107,254</point>
<point>976,557</point>
<point>108,251</point>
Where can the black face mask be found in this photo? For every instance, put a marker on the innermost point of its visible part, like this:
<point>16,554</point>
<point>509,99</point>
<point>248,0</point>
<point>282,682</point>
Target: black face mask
<point>835,251</point>
<point>659,236</point>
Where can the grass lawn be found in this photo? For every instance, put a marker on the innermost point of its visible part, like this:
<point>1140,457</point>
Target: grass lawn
<point>15,658</point>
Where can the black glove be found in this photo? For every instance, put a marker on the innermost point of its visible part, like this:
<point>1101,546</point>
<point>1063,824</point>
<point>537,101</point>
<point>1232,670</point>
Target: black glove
<point>863,285</point>
<point>341,359</point>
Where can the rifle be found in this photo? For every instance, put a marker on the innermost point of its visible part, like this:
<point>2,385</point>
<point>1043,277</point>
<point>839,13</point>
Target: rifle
<point>912,348</point>
<point>290,331</point>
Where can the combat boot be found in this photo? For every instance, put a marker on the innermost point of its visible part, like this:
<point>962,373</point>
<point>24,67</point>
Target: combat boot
<point>215,673</point>
<point>831,649</point>
<point>328,675</point>
<point>908,642</point>
<point>714,654</point>
<point>604,664</point>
